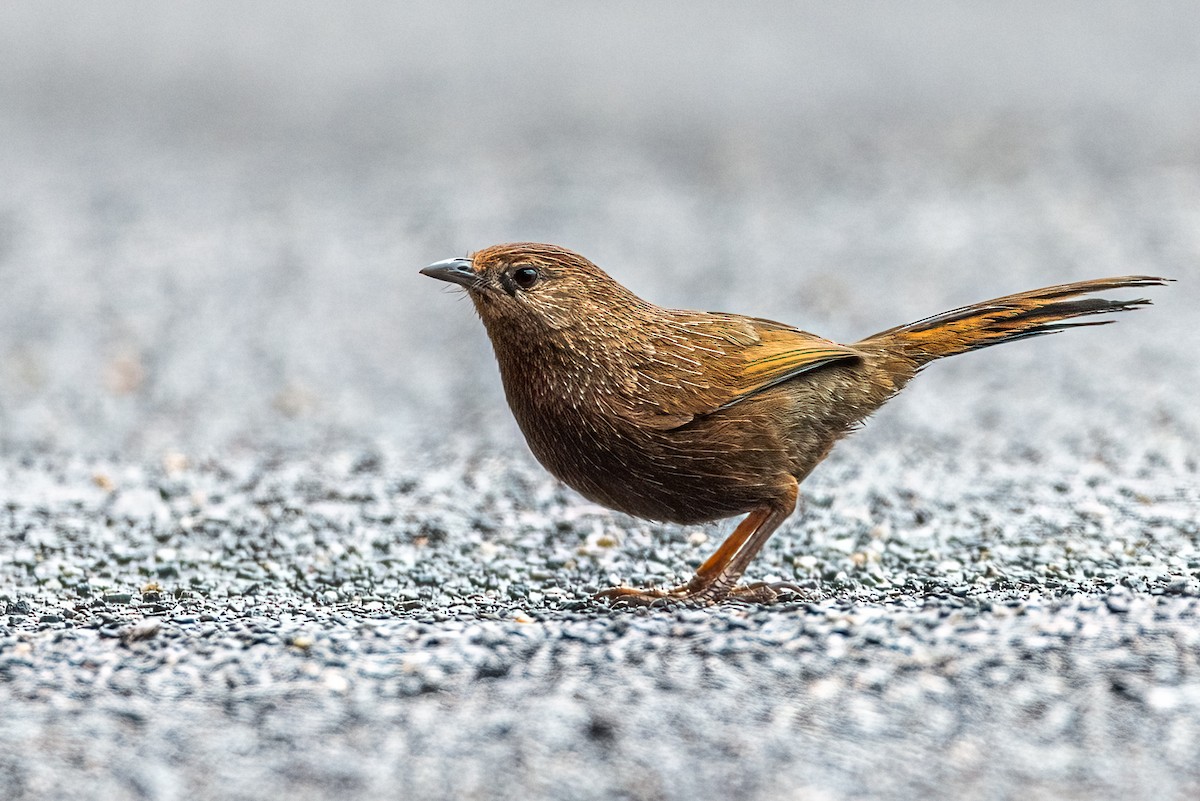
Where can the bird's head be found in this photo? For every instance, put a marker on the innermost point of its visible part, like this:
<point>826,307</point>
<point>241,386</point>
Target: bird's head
<point>527,287</point>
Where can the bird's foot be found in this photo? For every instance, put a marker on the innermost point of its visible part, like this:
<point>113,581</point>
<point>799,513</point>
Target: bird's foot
<point>696,594</point>
<point>766,592</point>
<point>682,595</point>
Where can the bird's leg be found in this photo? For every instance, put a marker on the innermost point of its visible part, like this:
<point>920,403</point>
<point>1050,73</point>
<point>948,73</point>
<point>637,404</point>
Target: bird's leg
<point>716,578</point>
<point>760,591</point>
<point>700,590</point>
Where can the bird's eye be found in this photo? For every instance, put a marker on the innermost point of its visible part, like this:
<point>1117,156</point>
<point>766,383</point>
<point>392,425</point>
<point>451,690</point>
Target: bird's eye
<point>525,277</point>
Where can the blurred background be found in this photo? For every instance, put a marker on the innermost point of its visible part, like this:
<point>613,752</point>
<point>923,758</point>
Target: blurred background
<point>212,214</point>
<point>212,217</point>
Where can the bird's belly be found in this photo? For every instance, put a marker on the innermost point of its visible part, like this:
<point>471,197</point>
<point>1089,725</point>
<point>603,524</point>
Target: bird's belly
<point>688,475</point>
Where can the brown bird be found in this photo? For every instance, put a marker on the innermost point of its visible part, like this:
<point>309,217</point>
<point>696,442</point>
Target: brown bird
<point>689,416</point>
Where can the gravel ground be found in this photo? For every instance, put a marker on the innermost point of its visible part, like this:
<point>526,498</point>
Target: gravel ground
<point>267,529</point>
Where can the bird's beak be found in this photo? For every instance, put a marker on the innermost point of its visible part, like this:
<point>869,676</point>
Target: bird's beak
<point>456,271</point>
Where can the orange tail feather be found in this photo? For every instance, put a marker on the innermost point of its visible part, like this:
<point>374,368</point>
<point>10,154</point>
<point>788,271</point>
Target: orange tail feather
<point>1007,319</point>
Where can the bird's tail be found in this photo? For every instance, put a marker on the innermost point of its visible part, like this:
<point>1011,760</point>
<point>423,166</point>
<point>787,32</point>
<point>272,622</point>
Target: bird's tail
<point>1007,319</point>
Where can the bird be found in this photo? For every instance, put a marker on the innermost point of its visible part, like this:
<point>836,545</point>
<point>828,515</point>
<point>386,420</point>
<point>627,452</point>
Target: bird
<point>691,417</point>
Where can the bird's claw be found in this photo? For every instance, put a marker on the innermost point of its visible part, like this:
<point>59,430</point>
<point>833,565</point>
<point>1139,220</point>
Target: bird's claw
<point>627,597</point>
<point>765,592</point>
<point>760,592</point>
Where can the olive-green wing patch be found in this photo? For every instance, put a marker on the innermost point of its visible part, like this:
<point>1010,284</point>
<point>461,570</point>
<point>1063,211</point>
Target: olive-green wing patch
<point>707,362</point>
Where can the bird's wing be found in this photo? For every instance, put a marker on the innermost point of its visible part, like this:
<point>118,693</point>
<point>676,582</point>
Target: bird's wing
<point>702,363</point>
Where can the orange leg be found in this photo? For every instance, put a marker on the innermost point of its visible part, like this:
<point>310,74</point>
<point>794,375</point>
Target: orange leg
<point>715,565</point>
<point>715,580</point>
